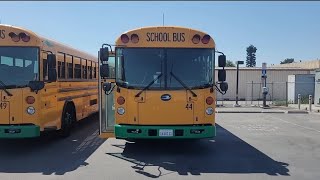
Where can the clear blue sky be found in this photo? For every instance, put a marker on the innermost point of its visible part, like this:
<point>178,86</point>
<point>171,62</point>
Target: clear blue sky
<point>279,30</point>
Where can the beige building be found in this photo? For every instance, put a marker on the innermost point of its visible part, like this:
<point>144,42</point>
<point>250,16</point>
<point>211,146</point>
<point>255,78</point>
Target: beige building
<point>314,64</point>
<point>250,87</point>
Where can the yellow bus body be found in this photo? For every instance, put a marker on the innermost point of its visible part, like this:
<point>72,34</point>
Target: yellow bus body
<point>148,114</point>
<point>79,92</point>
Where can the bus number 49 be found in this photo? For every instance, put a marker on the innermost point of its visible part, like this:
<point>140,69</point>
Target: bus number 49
<point>3,105</point>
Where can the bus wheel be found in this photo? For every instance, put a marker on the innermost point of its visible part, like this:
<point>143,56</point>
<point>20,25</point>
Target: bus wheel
<point>68,118</point>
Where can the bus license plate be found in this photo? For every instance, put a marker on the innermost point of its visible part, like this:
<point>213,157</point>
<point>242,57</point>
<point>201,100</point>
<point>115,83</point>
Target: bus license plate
<point>166,132</point>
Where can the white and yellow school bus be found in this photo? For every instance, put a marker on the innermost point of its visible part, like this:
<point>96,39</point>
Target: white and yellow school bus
<point>44,85</point>
<point>163,86</point>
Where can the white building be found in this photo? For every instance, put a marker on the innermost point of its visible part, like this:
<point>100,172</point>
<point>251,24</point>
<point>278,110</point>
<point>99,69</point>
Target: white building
<point>250,87</point>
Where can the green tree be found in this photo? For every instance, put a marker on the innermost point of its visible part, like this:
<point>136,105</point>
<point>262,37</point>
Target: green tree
<point>230,64</point>
<point>287,61</point>
<point>251,56</point>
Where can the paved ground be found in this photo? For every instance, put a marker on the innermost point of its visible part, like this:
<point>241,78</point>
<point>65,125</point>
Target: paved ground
<point>255,105</point>
<point>247,146</point>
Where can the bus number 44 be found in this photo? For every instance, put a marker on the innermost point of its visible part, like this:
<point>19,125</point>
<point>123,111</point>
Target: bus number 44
<point>189,106</point>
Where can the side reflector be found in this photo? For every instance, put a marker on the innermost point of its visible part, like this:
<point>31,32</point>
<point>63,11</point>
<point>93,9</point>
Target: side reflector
<point>30,99</point>
<point>209,100</point>
<point>121,100</point>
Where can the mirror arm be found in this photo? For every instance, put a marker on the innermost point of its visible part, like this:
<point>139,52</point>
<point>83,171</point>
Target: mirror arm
<point>107,93</point>
<point>218,89</point>
<point>107,45</point>
<point>220,52</point>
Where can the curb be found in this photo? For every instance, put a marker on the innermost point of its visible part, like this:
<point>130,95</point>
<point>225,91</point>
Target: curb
<point>298,112</point>
<point>251,112</point>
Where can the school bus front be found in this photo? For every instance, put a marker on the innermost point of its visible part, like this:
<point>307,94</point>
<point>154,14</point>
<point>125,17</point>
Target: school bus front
<point>164,85</point>
<point>44,85</point>
<point>19,65</point>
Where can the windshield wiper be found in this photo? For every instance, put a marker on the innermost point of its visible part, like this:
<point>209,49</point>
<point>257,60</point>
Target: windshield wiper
<point>150,84</point>
<point>183,84</point>
<point>5,89</point>
<point>203,86</point>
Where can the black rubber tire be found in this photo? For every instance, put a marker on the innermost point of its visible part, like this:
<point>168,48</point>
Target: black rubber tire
<point>68,118</point>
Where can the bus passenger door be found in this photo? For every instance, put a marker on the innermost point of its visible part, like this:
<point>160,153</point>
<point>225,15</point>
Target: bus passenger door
<point>107,113</point>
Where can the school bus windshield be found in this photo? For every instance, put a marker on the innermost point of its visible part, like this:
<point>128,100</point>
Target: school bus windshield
<point>138,67</point>
<point>19,65</point>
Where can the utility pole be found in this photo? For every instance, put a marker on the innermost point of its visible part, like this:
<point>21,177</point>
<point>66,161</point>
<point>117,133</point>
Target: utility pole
<point>237,87</point>
<point>264,82</point>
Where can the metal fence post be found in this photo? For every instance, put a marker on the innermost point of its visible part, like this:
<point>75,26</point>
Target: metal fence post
<point>299,100</point>
<point>286,93</point>
<point>310,103</point>
<point>251,92</point>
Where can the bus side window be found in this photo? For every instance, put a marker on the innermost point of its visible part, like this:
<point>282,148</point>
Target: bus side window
<point>69,61</point>
<point>77,68</point>
<point>84,69</point>
<point>95,71</point>
<point>90,69</point>
<point>61,66</point>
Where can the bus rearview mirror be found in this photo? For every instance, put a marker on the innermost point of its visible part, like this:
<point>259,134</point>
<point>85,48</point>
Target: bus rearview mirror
<point>104,54</point>
<point>104,70</point>
<point>224,86</point>
<point>222,61</point>
<point>36,85</point>
<point>106,86</point>
<point>222,75</point>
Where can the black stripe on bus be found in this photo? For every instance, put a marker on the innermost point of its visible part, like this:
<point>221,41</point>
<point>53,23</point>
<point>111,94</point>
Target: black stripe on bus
<point>76,96</point>
<point>77,89</point>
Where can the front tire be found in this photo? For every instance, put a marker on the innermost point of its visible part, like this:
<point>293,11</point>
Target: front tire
<point>68,118</point>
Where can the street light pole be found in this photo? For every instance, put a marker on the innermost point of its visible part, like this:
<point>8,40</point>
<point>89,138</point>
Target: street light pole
<point>237,86</point>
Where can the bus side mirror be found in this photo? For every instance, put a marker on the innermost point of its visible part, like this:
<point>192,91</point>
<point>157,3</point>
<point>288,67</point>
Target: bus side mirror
<point>36,85</point>
<point>52,70</point>
<point>222,75</point>
<point>104,70</point>
<point>106,86</point>
<point>222,61</point>
<point>104,54</point>
<point>224,86</point>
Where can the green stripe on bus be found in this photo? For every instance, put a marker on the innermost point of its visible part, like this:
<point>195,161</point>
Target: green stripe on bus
<point>19,131</point>
<point>143,132</point>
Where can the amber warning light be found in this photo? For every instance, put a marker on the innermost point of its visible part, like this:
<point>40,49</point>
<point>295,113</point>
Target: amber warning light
<point>17,37</point>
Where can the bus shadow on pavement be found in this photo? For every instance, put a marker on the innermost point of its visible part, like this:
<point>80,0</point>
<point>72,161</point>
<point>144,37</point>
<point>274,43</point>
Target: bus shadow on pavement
<point>50,154</point>
<point>226,154</point>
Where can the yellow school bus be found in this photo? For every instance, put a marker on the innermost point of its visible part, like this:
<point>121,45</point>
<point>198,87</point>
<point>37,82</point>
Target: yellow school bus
<point>44,85</point>
<point>163,85</point>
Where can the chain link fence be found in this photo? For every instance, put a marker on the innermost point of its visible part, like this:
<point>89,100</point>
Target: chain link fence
<point>279,94</point>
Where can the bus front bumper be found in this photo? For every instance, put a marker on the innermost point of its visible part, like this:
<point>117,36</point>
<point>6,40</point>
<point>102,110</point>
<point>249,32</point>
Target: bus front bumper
<point>164,132</point>
<point>19,131</point>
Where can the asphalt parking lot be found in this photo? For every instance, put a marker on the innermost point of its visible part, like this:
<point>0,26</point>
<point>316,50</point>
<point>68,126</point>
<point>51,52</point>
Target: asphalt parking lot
<point>247,146</point>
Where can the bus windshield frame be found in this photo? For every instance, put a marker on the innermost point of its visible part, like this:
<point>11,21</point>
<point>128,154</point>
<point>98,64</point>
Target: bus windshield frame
<point>19,65</point>
<point>137,67</point>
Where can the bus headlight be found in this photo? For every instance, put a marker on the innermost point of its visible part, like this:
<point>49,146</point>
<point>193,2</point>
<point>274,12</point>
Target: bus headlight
<point>31,110</point>
<point>209,110</point>
<point>120,110</point>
